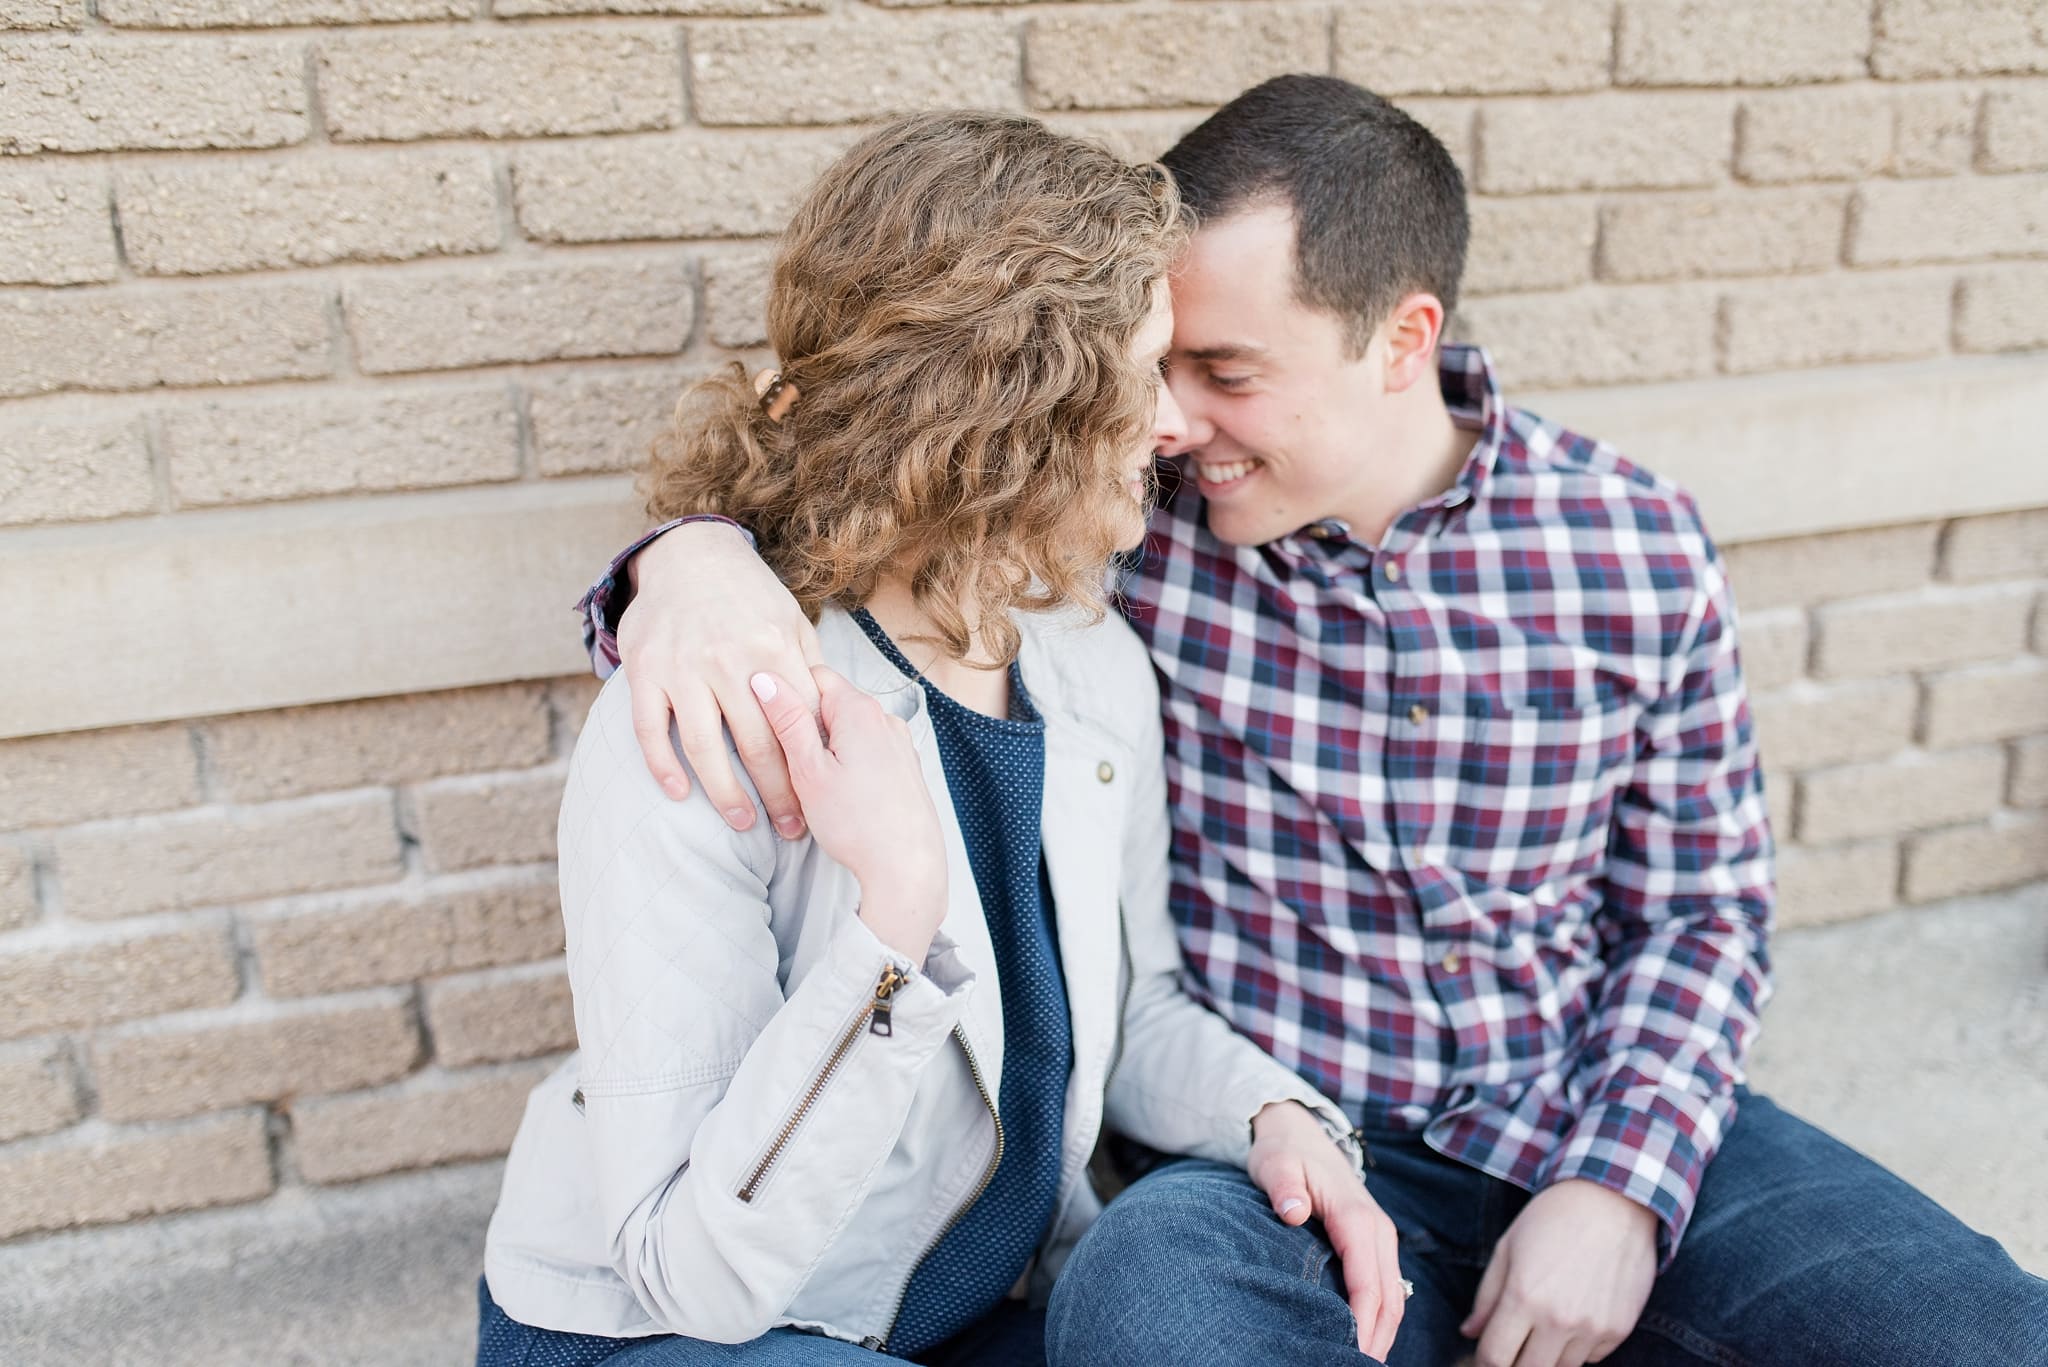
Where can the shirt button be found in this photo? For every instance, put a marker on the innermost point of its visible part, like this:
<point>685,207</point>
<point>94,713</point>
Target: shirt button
<point>1105,771</point>
<point>1393,571</point>
<point>1453,962</point>
<point>1418,714</point>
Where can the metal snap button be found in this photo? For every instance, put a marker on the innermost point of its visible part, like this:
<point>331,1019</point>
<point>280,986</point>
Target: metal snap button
<point>1105,771</point>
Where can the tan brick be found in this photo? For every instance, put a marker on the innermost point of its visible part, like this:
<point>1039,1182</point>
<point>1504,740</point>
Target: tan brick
<point>1454,123</point>
<point>237,854</point>
<point>1474,47</point>
<point>736,296</point>
<point>445,926</point>
<point>262,13</point>
<point>507,1014</point>
<point>1781,801</point>
<point>571,700</point>
<point>499,83</point>
<point>463,823</point>
<point>73,470</point>
<point>1798,570</point>
<point>1990,702</point>
<point>721,185</point>
<point>2016,129</point>
<point>179,219</point>
<point>56,225</point>
<point>1935,130</point>
<point>2002,853</point>
<point>2028,786</point>
<point>2000,546</point>
<point>1830,883</point>
<point>2040,639</point>
<point>161,1070</point>
<point>426,1120</point>
<point>1909,793</point>
<point>1834,319</point>
<point>583,424</point>
<point>305,446</point>
<point>837,72</point>
<point>57,780</point>
<point>2003,309</point>
<point>482,315</point>
<point>1810,725</point>
<point>1689,236</point>
<point>17,886</point>
<point>1603,142</point>
<point>104,1175</point>
<point>1948,220</point>
<point>1740,42</point>
<point>1598,336</point>
<point>265,755</point>
<point>38,1092</point>
<point>1542,243</point>
<point>78,94</point>
<point>42,14</point>
<point>1145,135</point>
<point>102,978</point>
<point>1773,648</point>
<point>116,338</point>
<point>1195,54</point>
<point>1933,629</point>
<point>506,9</point>
<point>1829,133</point>
<point>1958,38</point>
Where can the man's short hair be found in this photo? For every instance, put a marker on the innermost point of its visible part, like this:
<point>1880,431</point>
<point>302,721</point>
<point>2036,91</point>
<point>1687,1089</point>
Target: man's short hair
<point>1379,206</point>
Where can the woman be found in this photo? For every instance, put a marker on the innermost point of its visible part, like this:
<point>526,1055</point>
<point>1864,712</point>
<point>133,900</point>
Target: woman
<point>837,1095</point>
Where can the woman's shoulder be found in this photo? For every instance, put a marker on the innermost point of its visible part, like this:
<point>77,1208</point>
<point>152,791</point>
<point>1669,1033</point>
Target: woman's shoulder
<point>1095,666</point>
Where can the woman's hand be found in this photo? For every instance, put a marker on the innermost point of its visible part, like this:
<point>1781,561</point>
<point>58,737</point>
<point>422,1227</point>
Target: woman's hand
<point>862,786</point>
<point>1304,1173</point>
<point>706,615</point>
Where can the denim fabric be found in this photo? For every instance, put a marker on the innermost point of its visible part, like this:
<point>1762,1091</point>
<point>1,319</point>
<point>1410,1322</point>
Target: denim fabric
<point>1012,1335</point>
<point>1801,1251</point>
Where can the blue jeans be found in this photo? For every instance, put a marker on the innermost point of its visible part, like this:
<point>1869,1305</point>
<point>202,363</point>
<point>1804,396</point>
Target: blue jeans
<point>1011,1335</point>
<point>1800,1251</point>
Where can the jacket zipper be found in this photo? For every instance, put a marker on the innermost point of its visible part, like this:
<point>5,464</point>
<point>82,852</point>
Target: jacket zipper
<point>988,1174</point>
<point>873,1018</point>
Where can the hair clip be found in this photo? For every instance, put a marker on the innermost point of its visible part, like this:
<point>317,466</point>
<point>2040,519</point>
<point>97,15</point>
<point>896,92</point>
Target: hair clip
<point>777,395</point>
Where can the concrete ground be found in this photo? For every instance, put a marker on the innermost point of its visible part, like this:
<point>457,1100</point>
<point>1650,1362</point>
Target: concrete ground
<point>1921,1037</point>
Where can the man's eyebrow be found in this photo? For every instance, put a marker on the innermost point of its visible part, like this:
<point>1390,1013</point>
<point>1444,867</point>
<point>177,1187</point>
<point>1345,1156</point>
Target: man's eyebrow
<point>1226,351</point>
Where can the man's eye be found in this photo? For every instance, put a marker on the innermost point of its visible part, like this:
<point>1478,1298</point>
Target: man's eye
<point>1229,381</point>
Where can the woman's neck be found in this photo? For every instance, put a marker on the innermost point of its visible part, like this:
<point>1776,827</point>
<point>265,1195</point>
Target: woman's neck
<point>976,682</point>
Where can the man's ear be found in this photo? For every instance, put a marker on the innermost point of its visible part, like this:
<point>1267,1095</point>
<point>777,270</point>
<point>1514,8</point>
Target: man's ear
<point>1413,330</point>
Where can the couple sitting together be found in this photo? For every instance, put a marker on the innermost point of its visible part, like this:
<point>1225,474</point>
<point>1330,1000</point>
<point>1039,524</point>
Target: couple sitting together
<point>1378,856</point>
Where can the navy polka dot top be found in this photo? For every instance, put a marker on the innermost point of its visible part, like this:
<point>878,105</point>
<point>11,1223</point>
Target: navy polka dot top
<point>996,771</point>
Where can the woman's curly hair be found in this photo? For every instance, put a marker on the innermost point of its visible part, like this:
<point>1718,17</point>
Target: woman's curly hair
<point>955,301</point>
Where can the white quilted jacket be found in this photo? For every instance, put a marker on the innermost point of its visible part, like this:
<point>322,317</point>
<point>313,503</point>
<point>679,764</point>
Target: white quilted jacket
<point>736,1145</point>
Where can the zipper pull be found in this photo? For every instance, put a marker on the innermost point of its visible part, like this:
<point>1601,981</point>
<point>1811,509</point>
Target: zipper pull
<point>885,988</point>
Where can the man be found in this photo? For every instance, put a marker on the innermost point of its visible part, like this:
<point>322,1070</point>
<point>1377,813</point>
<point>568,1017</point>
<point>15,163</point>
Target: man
<point>1468,824</point>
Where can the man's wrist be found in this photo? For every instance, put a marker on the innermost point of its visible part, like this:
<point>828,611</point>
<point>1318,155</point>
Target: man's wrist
<point>631,559</point>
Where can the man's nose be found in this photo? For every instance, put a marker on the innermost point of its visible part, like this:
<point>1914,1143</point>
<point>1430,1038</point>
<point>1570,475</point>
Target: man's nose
<point>1177,426</point>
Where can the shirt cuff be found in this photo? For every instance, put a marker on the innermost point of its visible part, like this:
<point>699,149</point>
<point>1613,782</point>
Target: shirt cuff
<point>1647,1157</point>
<point>602,603</point>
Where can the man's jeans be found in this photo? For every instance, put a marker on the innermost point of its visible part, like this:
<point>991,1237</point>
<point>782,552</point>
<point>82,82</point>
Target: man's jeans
<point>1801,1251</point>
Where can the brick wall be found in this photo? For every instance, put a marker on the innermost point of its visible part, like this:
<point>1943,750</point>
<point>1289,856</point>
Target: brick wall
<point>258,253</point>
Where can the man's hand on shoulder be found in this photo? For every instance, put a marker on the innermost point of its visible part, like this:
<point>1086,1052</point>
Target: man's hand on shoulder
<point>1304,1174</point>
<point>1568,1281</point>
<point>707,615</point>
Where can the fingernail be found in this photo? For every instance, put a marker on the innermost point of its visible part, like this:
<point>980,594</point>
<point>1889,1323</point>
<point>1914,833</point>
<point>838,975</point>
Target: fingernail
<point>763,686</point>
<point>1290,1205</point>
<point>675,788</point>
<point>790,827</point>
<point>739,818</point>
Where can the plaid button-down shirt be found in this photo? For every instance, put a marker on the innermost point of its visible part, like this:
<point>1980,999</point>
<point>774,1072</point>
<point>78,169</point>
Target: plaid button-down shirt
<point>1468,826</point>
